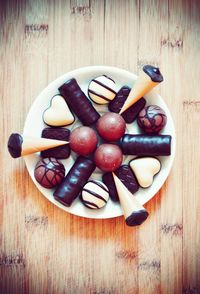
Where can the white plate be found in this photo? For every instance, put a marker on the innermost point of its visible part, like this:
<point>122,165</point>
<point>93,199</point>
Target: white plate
<point>34,125</point>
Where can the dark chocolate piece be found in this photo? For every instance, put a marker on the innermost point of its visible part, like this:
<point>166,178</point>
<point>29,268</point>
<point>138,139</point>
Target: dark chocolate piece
<point>59,152</point>
<point>15,145</point>
<point>137,218</point>
<point>131,113</point>
<point>79,103</point>
<point>74,181</point>
<point>109,182</point>
<point>152,119</point>
<point>125,174</point>
<point>146,145</point>
<point>49,172</point>
<point>154,73</point>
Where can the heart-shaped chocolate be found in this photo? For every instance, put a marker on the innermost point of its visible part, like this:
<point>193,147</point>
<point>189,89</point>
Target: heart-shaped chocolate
<point>145,169</point>
<point>58,114</point>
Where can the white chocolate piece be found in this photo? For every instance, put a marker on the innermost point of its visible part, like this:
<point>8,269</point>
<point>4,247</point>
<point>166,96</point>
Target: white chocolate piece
<point>143,85</point>
<point>144,169</point>
<point>32,145</point>
<point>95,194</point>
<point>102,90</point>
<point>128,202</point>
<point>58,114</point>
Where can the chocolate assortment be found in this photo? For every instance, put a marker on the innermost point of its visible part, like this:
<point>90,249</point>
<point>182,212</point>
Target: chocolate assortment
<point>100,143</point>
<point>60,152</point>
<point>131,113</point>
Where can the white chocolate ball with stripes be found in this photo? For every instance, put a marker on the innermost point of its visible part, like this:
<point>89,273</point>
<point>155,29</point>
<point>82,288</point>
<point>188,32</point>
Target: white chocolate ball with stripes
<point>95,194</point>
<point>102,89</point>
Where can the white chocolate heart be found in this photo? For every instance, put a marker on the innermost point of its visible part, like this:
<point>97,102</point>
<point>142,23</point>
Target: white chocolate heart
<point>58,114</point>
<point>145,169</point>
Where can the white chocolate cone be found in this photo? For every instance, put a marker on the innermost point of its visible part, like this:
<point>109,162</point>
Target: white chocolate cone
<point>32,145</point>
<point>143,85</point>
<point>134,212</point>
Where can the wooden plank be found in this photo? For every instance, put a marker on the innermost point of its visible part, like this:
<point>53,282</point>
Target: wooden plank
<point>152,13</point>
<point>42,248</point>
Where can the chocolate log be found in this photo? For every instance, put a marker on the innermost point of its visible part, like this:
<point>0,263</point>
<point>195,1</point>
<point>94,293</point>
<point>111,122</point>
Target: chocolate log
<point>74,181</point>
<point>144,145</point>
<point>78,102</point>
<point>147,80</point>
<point>20,145</point>
<point>131,113</point>
<point>59,152</point>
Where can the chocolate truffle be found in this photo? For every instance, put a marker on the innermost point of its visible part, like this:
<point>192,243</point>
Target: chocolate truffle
<point>152,119</point>
<point>108,157</point>
<point>49,172</point>
<point>83,140</point>
<point>111,126</point>
<point>102,89</point>
<point>95,194</point>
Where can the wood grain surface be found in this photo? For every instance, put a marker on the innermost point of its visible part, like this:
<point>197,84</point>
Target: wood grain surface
<point>42,248</point>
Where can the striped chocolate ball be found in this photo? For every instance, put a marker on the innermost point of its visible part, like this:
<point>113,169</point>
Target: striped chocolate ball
<point>102,89</point>
<point>95,194</point>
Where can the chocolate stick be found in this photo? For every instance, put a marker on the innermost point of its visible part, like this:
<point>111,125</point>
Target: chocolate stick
<point>79,103</point>
<point>20,145</point>
<point>134,213</point>
<point>147,80</point>
<point>146,145</point>
<point>74,181</point>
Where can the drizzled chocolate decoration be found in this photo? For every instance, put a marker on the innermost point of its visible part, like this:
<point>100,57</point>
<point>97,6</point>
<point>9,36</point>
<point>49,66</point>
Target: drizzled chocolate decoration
<point>74,181</point>
<point>131,113</point>
<point>78,102</point>
<point>49,172</point>
<point>94,194</point>
<point>15,145</point>
<point>152,119</point>
<point>102,89</point>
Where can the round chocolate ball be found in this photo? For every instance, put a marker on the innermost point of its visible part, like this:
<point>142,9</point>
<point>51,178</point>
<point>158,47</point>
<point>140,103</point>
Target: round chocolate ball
<point>83,140</point>
<point>108,157</point>
<point>111,126</point>
<point>49,172</point>
<point>152,119</point>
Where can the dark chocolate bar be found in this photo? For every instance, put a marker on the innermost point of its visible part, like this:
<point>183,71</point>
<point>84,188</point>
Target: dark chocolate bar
<point>131,113</point>
<point>79,103</point>
<point>125,174</point>
<point>146,145</point>
<point>60,152</point>
<point>74,181</point>
<point>127,177</point>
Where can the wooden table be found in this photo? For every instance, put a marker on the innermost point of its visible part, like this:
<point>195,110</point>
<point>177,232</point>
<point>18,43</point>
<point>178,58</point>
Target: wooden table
<point>44,249</point>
